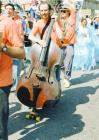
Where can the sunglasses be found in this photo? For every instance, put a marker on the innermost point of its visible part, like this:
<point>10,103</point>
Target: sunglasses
<point>64,11</point>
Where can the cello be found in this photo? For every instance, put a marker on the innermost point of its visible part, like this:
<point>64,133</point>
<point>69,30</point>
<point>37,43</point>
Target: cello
<point>39,85</point>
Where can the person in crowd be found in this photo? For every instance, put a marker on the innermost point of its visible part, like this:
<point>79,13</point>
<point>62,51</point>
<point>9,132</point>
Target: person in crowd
<point>84,51</point>
<point>27,41</point>
<point>88,20</point>
<point>11,46</point>
<point>12,12</point>
<point>45,13</point>
<point>34,10</point>
<point>66,32</point>
<point>36,36</point>
<point>18,21</point>
<point>24,25</point>
<point>95,34</point>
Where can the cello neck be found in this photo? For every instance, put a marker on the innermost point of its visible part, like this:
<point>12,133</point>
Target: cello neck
<point>45,51</point>
<point>49,32</point>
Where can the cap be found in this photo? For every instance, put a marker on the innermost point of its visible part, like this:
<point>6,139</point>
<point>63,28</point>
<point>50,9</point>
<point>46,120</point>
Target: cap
<point>64,6</point>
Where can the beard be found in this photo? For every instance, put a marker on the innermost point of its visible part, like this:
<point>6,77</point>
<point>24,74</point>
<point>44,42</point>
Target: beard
<point>45,16</point>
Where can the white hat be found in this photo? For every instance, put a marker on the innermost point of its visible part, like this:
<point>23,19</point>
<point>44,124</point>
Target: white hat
<point>65,6</point>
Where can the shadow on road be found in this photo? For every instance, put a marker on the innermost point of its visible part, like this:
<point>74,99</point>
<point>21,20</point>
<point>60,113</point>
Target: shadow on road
<point>62,120</point>
<point>84,78</point>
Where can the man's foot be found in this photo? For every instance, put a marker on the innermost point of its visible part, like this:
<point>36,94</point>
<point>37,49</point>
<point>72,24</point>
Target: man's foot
<point>66,83</point>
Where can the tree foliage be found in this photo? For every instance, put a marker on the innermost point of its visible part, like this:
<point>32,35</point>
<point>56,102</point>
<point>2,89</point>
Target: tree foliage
<point>55,3</point>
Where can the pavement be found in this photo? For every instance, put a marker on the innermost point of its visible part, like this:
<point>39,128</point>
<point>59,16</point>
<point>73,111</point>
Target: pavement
<point>75,117</point>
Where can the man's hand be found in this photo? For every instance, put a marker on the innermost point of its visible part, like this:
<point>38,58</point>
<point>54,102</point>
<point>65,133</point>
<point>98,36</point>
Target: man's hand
<point>42,43</point>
